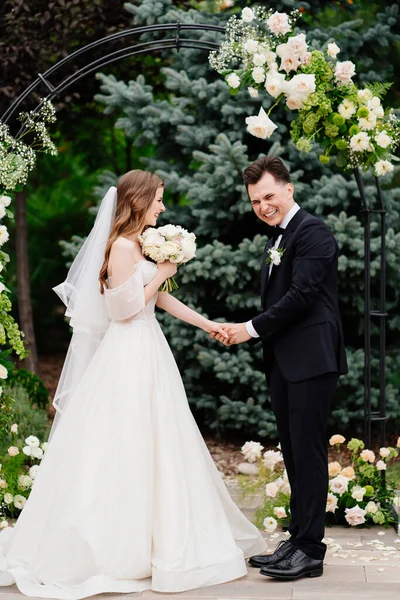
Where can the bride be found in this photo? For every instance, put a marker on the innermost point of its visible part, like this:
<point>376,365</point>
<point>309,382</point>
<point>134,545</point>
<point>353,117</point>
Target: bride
<point>127,497</point>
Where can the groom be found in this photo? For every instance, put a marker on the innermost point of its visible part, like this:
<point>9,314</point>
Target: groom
<point>301,333</point>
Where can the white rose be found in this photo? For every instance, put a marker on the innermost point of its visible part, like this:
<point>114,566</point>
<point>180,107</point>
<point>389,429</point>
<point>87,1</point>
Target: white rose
<point>3,235</point>
<point>331,503</point>
<point>33,471</point>
<point>13,451</point>
<point>364,95</point>
<point>27,450</point>
<point>371,508</point>
<point>271,490</point>
<point>260,126</point>
<point>251,46</point>
<point>253,92</point>
<point>382,167</point>
<point>233,81</point>
<point>347,108</point>
<point>339,485</point>
<point>360,142</point>
<point>344,71</point>
<point>32,441</point>
<point>384,452</point>
<point>3,484</point>
<point>271,458</point>
<point>374,102</point>
<point>3,372</point>
<point>280,512</point>
<point>298,45</point>
<point>355,516</point>
<point>258,74</point>
<point>247,15</point>
<point>378,112</point>
<point>358,493</point>
<point>381,465</point>
<point>3,524</point>
<point>8,498</point>
<point>290,61</point>
<point>383,140</point>
<point>14,428</point>
<point>270,524</point>
<point>19,501</point>
<point>278,23</point>
<point>2,211</point>
<point>275,257</point>
<point>259,60</point>
<point>285,487</point>
<point>168,231</point>
<point>188,249</point>
<point>333,50</point>
<point>37,453</point>
<point>24,482</point>
<point>275,83</point>
<point>5,200</point>
<point>294,102</point>
<point>302,85</point>
<point>252,450</point>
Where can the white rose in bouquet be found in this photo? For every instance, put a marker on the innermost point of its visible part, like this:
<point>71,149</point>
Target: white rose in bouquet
<point>170,242</point>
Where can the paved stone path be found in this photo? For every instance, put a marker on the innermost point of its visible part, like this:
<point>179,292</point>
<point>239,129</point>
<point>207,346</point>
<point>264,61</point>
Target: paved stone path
<point>361,564</point>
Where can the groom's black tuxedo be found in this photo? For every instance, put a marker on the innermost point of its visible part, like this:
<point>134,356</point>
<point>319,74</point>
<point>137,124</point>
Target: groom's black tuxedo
<point>302,337</point>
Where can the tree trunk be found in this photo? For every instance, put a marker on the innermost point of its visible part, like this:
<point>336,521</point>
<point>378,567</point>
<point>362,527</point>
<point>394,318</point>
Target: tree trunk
<point>23,283</point>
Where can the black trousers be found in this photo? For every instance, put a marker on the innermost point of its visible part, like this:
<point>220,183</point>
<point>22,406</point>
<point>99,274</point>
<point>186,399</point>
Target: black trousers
<point>302,410</point>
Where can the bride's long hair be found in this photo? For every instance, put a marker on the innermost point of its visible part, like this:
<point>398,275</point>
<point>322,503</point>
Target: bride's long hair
<point>135,193</point>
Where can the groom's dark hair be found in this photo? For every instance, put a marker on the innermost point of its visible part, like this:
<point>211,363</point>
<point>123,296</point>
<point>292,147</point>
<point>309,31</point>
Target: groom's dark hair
<point>266,164</point>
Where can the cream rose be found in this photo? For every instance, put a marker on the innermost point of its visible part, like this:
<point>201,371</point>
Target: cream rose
<point>337,439</point>
<point>332,50</point>
<point>331,503</point>
<point>280,512</point>
<point>14,428</point>
<point>233,80</point>
<point>355,516</point>
<point>384,452</point>
<point>334,469</point>
<point>13,451</point>
<point>271,490</point>
<point>345,71</point>
<point>381,465</point>
<point>252,450</point>
<point>339,485</point>
<point>3,372</point>
<point>247,15</point>
<point>348,472</point>
<point>275,83</point>
<point>278,23</point>
<point>251,46</point>
<point>367,456</point>
<point>260,126</point>
<point>358,493</point>
<point>371,508</point>
<point>258,74</point>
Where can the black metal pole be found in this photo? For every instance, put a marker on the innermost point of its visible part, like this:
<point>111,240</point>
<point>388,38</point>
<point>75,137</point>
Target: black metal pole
<point>365,210</point>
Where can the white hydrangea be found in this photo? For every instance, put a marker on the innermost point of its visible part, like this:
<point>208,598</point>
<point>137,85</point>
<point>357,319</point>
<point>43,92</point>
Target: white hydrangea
<point>247,15</point>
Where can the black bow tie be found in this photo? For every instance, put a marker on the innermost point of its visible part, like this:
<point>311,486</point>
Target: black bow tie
<point>276,232</point>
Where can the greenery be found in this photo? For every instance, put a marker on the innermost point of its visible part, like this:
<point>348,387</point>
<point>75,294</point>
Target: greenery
<point>359,493</point>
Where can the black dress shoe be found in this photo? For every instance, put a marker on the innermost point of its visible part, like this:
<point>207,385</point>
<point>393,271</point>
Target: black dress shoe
<point>283,549</point>
<point>295,566</point>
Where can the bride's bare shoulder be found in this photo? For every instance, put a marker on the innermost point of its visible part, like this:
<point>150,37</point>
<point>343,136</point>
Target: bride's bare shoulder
<point>122,247</point>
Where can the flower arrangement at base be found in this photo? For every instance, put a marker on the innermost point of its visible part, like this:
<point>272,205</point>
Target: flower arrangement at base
<point>170,242</point>
<point>358,493</point>
<point>262,53</point>
<point>18,470</point>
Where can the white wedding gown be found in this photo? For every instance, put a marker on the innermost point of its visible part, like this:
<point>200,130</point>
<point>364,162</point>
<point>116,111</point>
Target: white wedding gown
<point>127,497</point>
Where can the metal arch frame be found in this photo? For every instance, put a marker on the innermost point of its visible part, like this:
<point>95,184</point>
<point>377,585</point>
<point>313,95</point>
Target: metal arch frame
<point>177,43</point>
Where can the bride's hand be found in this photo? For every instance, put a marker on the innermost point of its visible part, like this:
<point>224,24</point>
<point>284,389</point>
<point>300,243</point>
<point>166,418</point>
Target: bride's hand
<point>167,269</point>
<point>215,329</point>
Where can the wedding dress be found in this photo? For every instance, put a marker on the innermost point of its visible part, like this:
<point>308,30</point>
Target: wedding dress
<point>127,497</point>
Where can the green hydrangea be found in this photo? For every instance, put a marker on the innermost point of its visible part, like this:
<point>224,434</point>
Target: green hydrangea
<point>304,145</point>
<point>355,444</point>
<point>296,130</point>
<point>331,130</point>
<point>367,470</point>
<point>378,517</point>
<point>310,123</point>
<point>318,65</point>
<point>369,490</point>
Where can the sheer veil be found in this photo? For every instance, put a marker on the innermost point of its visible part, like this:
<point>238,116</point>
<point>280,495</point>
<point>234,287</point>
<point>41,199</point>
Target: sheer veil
<point>85,305</point>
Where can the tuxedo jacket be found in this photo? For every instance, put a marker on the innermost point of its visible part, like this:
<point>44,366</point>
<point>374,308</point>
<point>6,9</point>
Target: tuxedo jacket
<point>299,324</point>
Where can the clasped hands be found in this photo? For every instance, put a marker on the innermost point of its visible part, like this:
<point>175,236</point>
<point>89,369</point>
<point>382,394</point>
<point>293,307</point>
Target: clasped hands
<point>231,333</point>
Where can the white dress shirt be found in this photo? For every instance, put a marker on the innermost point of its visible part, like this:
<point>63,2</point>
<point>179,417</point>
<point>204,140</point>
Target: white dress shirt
<point>285,221</point>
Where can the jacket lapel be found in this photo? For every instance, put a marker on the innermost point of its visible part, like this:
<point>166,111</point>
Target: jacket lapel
<point>291,227</point>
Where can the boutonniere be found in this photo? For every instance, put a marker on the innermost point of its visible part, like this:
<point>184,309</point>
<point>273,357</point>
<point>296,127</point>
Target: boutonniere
<point>275,256</point>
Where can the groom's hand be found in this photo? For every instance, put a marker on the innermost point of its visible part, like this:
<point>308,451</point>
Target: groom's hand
<point>237,334</point>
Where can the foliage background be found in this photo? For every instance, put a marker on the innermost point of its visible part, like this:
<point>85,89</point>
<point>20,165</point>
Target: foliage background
<point>172,114</point>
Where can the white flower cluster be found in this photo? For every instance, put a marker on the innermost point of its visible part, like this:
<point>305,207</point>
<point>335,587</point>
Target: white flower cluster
<point>18,158</point>
<point>170,242</point>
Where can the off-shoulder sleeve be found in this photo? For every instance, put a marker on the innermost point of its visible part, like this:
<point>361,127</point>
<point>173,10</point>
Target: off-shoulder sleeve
<point>126,300</point>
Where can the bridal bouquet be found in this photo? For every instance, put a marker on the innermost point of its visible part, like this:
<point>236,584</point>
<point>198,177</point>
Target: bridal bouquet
<point>262,53</point>
<point>358,494</point>
<point>170,242</point>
